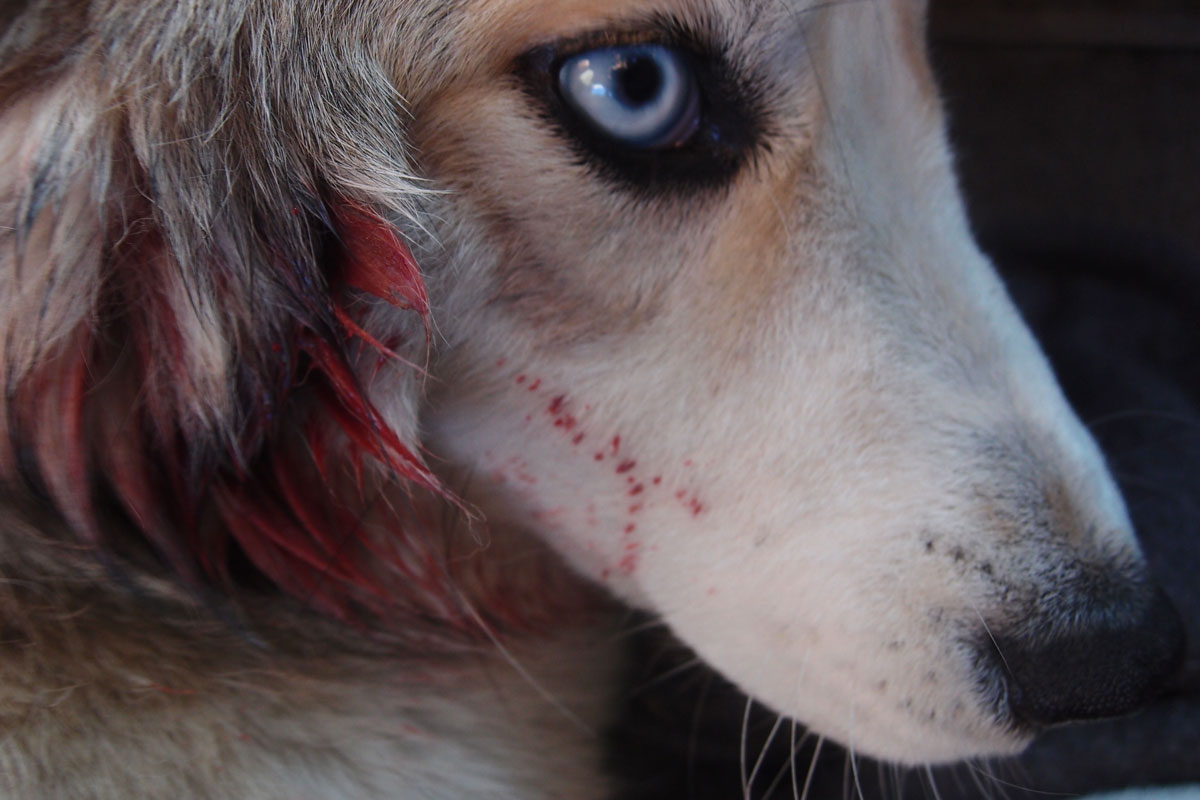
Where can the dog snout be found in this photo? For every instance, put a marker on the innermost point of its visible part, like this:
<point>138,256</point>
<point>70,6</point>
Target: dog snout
<point>1108,660</point>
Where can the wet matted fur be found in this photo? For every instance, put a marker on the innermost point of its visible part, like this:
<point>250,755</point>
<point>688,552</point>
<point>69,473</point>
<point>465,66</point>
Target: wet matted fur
<point>352,377</point>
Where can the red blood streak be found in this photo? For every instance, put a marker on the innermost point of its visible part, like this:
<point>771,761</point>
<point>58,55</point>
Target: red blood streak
<point>638,489</point>
<point>521,378</point>
<point>626,465</point>
<point>697,507</point>
<point>556,404</point>
<point>379,263</point>
<point>630,528</point>
<point>569,422</point>
<point>533,386</point>
<point>616,444</point>
<point>578,438</point>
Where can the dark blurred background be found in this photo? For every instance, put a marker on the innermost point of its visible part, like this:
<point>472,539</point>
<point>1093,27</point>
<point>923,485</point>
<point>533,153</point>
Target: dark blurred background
<point>1077,129</point>
<point>1075,111</point>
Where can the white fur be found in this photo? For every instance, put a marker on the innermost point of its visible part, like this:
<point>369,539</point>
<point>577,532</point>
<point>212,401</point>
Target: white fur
<point>866,396</point>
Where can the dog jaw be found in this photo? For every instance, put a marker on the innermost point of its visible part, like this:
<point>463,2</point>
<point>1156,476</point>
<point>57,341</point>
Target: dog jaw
<point>799,420</point>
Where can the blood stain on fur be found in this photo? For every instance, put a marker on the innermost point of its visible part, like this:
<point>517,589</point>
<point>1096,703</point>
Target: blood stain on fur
<point>577,438</point>
<point>626,465</point>
<point>638,489</point>
<point>521,378</point>
<point>629,561</point>
<point>533,387</point>
<point>616,444</point>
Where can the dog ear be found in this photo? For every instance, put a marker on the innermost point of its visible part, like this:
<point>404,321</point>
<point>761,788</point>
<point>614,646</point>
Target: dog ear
<point>182,277</point>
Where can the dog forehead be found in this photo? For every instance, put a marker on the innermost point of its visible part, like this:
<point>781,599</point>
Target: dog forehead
<point>484,37</point>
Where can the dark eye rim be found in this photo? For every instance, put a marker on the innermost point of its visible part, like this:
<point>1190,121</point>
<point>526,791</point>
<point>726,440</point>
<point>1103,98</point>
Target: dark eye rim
<point>731,125</point>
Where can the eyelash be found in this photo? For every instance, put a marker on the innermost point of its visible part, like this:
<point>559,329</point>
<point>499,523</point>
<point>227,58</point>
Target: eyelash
<point>730,131</point>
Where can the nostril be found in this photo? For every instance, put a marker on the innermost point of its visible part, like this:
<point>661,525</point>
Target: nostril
<point>1107,666</point>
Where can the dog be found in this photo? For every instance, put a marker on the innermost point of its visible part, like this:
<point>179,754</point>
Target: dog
<point>363,359</point>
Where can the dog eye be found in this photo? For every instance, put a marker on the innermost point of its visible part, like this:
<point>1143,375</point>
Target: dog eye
<point>659,110</point>
<point>642,96</point>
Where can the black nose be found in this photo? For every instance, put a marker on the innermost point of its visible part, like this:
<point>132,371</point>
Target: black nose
<point>1106,662</point>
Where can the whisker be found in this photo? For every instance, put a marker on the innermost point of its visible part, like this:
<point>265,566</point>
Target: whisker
<point>812,769</point>
<point>858,790</point>
<point>742,753</point>
<point>678,669</point>
<point>533,682</point>
<point>792,761</point>
<point>694,734</point>
<point>794,746</point>
<point>633,630</point>
<point>1003,784</point>
<point>985,790</point>
<point>932,783</point>
<point>899,778</point>
<point>762,753</point>
<point>852,757</point>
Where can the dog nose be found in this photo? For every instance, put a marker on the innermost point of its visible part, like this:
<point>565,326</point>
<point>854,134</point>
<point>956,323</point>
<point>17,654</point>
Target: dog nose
<point>1109,662</point>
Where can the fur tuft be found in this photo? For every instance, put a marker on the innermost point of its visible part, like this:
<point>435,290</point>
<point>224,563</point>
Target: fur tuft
<point>166,337</point>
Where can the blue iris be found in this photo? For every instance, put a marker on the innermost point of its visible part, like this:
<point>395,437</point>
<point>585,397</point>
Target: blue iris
<point>643,95</point>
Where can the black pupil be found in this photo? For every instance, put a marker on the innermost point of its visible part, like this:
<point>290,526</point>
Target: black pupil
<point>639,81</point>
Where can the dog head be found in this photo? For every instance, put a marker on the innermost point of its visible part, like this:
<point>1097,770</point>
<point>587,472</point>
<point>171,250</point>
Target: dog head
<point>684,290</point>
